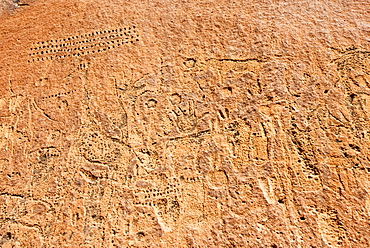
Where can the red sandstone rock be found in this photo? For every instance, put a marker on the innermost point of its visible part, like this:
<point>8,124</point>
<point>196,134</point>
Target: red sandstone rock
<point>184,123</point>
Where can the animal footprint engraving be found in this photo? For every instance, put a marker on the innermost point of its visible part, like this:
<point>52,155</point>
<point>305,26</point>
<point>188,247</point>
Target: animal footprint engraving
<point>184,117</point>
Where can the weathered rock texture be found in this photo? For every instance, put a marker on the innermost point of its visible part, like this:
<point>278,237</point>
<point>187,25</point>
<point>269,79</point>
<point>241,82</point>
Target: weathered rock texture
<point>184,123</point>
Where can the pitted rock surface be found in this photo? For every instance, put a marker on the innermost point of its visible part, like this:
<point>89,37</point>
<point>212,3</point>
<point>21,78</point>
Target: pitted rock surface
<point>184,123</point>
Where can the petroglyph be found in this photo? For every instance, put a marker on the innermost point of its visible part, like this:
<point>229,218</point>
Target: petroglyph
<point>159,124</point>
<point>84,44</point>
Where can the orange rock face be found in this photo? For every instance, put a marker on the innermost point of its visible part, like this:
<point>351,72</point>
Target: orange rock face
<point>184,123</point>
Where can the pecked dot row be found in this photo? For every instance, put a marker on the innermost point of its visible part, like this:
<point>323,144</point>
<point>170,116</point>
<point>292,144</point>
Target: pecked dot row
<point>132,36</point>
<point>90,34</point>
<point>169,187</point>
<point>167,191</point>
<point>79,53</point>
<point>83,47</point>
<point>59,94</point>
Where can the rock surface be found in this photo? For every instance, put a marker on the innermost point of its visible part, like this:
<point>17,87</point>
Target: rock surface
<point>184,123</point>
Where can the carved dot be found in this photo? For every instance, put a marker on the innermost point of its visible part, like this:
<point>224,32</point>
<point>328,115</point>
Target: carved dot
<point>175,98</point>
<point>190,63</point>
<point>151,103</point>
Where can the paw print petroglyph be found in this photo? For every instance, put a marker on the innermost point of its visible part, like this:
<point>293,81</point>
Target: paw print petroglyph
<point>183,114</point>
<point>129,85</point>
